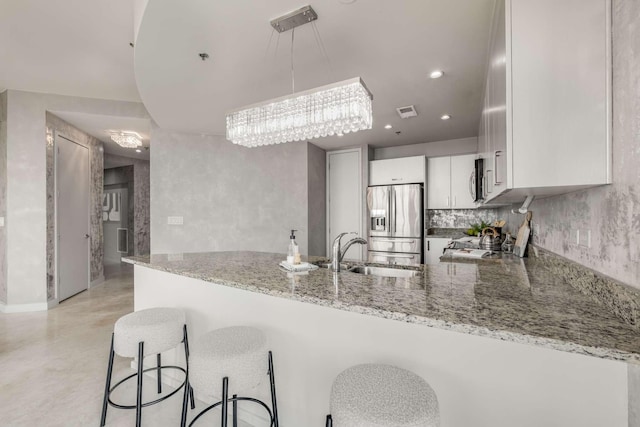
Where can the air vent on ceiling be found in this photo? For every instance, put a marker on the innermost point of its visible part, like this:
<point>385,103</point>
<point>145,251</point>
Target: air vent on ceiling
<point>406,112</point>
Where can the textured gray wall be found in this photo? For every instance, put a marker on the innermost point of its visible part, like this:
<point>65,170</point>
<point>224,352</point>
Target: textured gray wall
<point>317,182</point>
<point>3,196</point>
<point>26,216</point>
<point>612,212</point>
<point>450,147</point>
<point>56,124</point>
<point>231,198</point>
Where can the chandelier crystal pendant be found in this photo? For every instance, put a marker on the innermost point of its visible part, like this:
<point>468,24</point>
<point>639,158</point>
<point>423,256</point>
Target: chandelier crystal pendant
<point>334,109</point>
<point>127,139</point>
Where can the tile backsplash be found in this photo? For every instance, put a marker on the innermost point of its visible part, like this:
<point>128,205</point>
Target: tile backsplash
<point>458,218</point>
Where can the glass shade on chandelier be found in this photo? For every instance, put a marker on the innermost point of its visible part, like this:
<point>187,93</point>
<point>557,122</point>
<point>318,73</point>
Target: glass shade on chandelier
<point>127,139</point>
<point>335,109</point>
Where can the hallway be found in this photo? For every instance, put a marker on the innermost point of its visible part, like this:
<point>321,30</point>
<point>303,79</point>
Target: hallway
<point>54,363</point>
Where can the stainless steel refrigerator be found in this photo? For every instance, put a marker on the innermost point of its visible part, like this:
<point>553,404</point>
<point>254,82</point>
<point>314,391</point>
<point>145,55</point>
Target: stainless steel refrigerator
<point>395,224</point>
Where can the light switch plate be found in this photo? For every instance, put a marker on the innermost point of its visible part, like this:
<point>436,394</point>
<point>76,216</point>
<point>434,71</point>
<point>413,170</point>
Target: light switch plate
<point>1,221</point>
<point>175,220</point>
<point>584,238</point>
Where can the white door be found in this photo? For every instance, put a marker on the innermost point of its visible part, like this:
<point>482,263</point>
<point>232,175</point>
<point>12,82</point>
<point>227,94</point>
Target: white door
<point>462,168</point>
<point>434,248</point>
<point>344,198</point>
<point>72,186</point>
<point>439,183</point>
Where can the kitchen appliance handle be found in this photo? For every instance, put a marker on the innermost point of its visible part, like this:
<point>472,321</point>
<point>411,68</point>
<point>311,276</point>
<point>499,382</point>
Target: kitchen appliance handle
<point>495,164</point>
<point>395,228</point>
<point>393,240</point>
<point>397,256</point>
<point>489,172</point>
<point>472,183</point>
<point>428,245</point>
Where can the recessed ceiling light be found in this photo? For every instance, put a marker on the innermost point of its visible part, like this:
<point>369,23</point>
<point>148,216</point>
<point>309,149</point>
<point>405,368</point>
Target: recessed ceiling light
<point>138,150</point>
<point>388,126</point>
<point>436,74</point>
<point>340,134</point>
<point>347,1</point>
<point>445,117</point>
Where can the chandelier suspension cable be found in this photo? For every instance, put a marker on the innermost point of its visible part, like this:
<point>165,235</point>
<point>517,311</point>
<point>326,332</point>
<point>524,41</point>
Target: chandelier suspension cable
<point>266,52</point>
<point>320,43</point>
<point>293,76</point>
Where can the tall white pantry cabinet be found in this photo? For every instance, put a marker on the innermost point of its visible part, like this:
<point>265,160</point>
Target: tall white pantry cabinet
<point>545,126</point>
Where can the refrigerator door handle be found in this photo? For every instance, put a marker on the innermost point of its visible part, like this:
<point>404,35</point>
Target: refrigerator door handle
<point>393,224</point>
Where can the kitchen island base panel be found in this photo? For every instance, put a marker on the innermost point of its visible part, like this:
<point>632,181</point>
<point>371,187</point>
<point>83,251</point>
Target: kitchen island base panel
<point>479,381</point>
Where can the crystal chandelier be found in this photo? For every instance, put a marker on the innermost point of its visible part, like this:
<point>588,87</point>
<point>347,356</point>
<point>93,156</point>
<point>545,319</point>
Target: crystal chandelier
<point>334,109</point>
<point>127,139</point>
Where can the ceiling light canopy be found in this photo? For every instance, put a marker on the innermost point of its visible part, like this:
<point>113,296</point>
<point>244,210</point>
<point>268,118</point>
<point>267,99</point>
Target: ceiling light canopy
<point>127,139</point>
<point>334,109</point>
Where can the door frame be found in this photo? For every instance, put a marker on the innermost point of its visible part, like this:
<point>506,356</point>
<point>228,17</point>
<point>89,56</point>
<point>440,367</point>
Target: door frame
<point>56,269</point>
<point>357,150</point>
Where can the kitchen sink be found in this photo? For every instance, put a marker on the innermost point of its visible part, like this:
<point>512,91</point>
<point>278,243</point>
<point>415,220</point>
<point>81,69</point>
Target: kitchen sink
<point>383,272</point>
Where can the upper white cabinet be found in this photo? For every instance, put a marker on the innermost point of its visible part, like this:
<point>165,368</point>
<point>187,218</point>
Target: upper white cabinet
<point>448,182</point>
<point>545,126</point>
<point>405,170</point>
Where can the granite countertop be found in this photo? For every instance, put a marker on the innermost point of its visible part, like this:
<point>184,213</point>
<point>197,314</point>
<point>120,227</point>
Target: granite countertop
<point>446,233</point>
<point>512,299</point>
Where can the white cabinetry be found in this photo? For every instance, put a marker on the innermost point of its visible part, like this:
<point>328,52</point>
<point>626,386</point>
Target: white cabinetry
<point>448,182</point>
<point>405,170</point>
<point>434,248</point>
<point>545,126</point>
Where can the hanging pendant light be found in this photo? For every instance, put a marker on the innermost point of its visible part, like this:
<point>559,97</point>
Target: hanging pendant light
<point>334,109</point>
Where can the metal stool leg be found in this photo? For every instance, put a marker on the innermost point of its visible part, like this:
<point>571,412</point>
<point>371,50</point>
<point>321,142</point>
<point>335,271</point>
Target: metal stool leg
<point>235,411</point>
<point>139,391</point>
<point>329,421</point>
<point>274,406</point>
<point>159,361</point>
<point>225,400</point>
<point>105,401</point>
<point>186,354</point>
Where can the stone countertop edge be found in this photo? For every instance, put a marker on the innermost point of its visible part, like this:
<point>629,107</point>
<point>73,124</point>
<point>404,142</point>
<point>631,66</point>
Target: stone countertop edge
<point>460,327</point>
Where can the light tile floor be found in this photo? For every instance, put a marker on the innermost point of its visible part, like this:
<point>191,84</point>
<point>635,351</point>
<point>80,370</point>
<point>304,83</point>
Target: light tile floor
<point>53,364</point>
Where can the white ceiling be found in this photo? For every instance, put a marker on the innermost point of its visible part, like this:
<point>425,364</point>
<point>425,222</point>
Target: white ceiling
<point>81,48</point>
<point>392,45</point>
<point>68,47</point>
<point>99,126</point>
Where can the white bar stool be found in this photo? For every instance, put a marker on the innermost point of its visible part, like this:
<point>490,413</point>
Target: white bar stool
<point>374,395</point>
<point>143,333</point>
<point>236,358</point>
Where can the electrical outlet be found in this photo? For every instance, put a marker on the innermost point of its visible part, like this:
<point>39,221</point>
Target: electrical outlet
<point>175,220</point>
<point>584,238</point>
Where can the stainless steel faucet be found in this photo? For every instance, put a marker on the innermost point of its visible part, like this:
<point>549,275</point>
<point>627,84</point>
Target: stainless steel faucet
<point>337,253</point>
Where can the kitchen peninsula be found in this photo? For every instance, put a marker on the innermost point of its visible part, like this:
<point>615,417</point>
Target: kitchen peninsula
<point>485,335</point>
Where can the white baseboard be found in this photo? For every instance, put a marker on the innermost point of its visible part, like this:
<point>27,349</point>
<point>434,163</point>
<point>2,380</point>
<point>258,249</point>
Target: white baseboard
<point>23,308</point>
<point>98,281</point>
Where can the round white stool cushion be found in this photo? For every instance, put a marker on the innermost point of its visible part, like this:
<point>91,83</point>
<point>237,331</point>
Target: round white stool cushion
<point>160,329</point>
<point>238,352</point>
<point>375,395</point>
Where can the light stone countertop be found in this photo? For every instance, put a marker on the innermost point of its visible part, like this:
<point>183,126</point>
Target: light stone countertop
<point>510,299</point>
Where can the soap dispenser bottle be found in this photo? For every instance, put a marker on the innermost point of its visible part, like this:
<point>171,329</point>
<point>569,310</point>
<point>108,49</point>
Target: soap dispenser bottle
<point>293,253</point>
